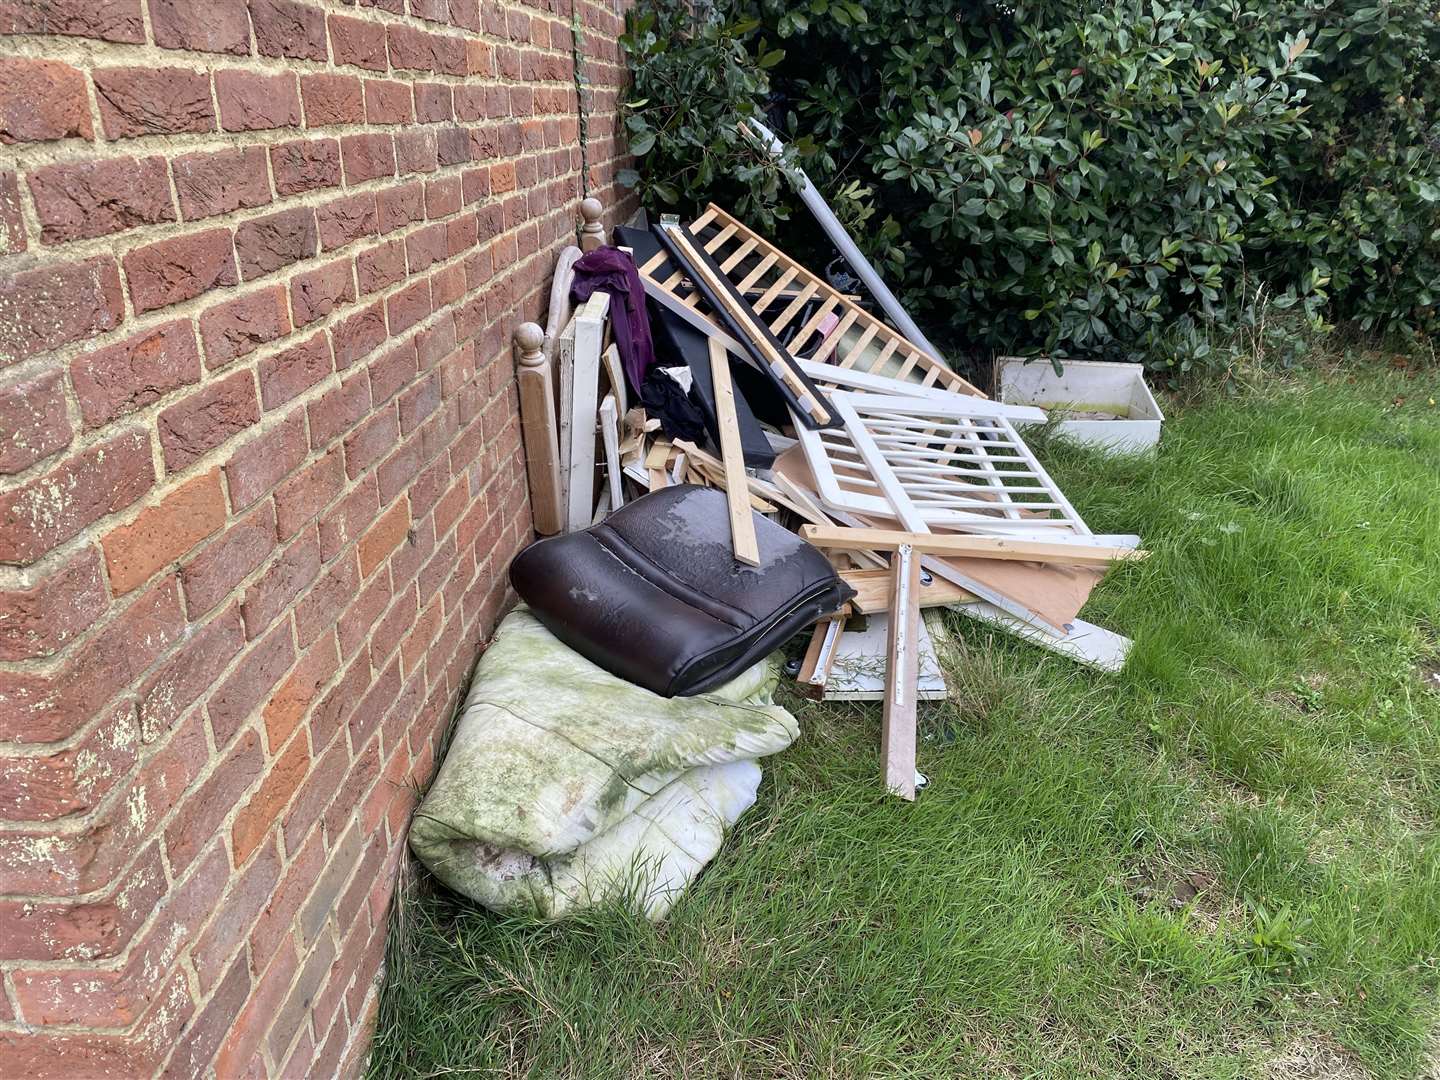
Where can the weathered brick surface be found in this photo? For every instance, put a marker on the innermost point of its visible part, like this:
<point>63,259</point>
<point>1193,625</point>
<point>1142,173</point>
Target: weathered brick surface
<point>260,480</point>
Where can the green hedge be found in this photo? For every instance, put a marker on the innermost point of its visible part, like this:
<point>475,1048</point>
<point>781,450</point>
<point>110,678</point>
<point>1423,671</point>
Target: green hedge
<point>1124,183</point>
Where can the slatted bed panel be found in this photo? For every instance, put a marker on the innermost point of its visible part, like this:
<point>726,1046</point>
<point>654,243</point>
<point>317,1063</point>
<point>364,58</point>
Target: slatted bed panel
<point>778,288</point>
<point>950,470</point>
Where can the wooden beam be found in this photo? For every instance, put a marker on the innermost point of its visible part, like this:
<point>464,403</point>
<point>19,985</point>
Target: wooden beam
<point>873,588</point>
<point>742,525</point>
<point>902,676</point>
<point>974,547</point>
<point>584,395</point>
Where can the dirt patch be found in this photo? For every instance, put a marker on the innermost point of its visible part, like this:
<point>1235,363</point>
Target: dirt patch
<point>1315,1057</point>
<point>1428,672</point>
<point>1177,889</point>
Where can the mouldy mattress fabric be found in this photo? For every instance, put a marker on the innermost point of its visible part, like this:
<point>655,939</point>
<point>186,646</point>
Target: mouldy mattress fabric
<point>565,785</point>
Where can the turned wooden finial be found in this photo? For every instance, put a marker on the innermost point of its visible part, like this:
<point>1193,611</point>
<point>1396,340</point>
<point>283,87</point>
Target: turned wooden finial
<point>592,233</point>
<point>529,339</point>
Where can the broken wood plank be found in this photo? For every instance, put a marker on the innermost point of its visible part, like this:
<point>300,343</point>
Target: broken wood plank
<point>742,525</point>
<point>610,436</point>
<point>584,386</point>
<point>819,658</point>
<point>975,547</point>
<point>902,676</point>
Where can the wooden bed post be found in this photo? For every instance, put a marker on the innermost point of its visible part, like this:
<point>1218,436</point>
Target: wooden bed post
<point>902,676</point>
<point>537,425</point>
<point>592,232</point>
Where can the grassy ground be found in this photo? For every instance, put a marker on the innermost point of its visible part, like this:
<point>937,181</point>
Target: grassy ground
<point>1221,863</point>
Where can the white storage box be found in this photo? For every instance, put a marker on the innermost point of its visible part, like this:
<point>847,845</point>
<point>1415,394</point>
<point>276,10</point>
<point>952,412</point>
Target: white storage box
<point>1100,404</point>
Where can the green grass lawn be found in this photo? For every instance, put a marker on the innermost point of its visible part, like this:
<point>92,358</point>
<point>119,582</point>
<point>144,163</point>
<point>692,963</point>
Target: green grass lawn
<point>1222,862</point>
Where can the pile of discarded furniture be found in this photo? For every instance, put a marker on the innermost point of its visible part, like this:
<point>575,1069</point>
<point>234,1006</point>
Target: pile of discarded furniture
<point>805,408</point>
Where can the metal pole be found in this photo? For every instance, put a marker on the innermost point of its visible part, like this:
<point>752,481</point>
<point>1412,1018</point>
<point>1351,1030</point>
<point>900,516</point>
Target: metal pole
<point>852,254</point>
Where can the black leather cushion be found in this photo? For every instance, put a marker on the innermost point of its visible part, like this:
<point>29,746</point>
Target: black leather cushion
<point>654,594</point>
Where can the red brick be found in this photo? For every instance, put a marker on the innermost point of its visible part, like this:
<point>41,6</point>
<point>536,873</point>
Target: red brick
<point>338,410</point>
<point>121,378</point>
<point>325,778</point>
<point>220,181</point>
<point>399,206</point>
<point>408,307</point>
<point>316,293</point>
<point>384,537</point>
<point>219,26</point>
<point>289,374</point>
<point>357,41</point>
<point>96,198</point>
<point>344,857</point>
<point>415,151</point>
<point>42,100</point>
<point>391,371</point>
<point>41,620</point>
<point>411,49</point>
<point>50,707</point>
<point>51,306</point>
<point>34,419</point>
<point>238,1054</point>
<point>348,518</point>
<point>345,220</point>
<point>119,997</point>
<point>368,443</point>
<point>452,146</point>
<point>305,165</point>
<point>201,1041</point>
<point>324,603</point>
<point>302,496</point>
<point>200,816</point>
<point>264,461</point>
<point>170,271</point>
<point>442,197</point>
<point>381,266</point>
<point>285,28</point>
<point>417,642</point>
<point>272,929</point>
<point>398,471</point>
<point>73,780</point>
<point>256,817</point>
<point>164,697</point>
<point>107,20</point>
<point>53,931</point>
<point>335,707</point>
<point>153,101</point>
<point>211,576</point>
<point>251,101</point>
<point>332,99</point>
<point>447,286</point>
<point>358,336</point>
<point>387,102</point>
<point>367,157</point>
<point>285,579</point>
<point>502,177</point>
<point>268,243</point>
<point>162,533</point>
<point>52,507</point>
<point>292,700</point>
<point>207,418</point>
<point>432,103</point>
<point>366,717</point>
<point>239,327</point>
<point>425,247</point>
<point>238,697</point>
<point>244,901</point>
<point>12,222</point>
<point>418,403</point>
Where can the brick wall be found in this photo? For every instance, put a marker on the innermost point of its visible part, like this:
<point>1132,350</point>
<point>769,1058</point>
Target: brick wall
<point>260,478</point>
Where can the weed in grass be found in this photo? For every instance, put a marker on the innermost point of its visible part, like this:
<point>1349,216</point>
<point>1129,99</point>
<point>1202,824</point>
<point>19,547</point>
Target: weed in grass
<point>1221,863</point>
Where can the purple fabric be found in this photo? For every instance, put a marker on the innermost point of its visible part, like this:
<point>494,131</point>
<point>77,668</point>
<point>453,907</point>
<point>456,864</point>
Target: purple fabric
<point>610,270</point>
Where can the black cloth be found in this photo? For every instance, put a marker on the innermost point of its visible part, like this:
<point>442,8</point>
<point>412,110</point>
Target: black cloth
<point>679,417</point>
